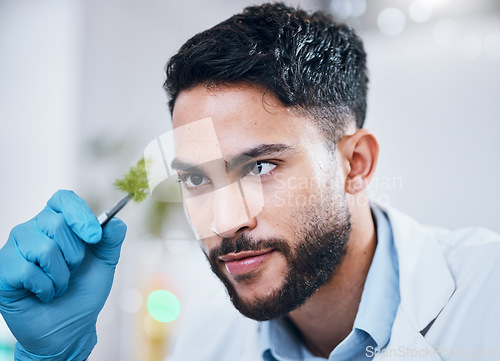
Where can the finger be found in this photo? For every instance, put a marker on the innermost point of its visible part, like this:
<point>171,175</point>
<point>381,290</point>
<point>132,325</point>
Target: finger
<point>77,214</point>
<point>43,252</point>
<point>109,248</point>
<point>34,279</point>
<point>19,273</point>
<point>53,225</point>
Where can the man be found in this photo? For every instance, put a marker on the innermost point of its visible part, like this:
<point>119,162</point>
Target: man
<point>268,109</point>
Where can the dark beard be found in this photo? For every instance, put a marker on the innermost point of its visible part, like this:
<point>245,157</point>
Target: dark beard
<point>311,264</point>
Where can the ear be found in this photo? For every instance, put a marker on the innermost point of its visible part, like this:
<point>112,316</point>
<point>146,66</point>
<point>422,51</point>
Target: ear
<point>359,153</point>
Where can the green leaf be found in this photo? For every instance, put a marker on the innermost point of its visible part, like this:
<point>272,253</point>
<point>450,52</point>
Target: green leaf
<point>135,182</point>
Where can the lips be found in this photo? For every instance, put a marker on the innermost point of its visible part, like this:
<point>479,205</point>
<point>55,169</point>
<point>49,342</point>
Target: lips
<point>245,262</point>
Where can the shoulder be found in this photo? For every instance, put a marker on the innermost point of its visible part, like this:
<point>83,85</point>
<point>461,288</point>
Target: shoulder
<point>217,332</point>
<point>452,242</point>
<point>472,255</point>
<point>452,275</point>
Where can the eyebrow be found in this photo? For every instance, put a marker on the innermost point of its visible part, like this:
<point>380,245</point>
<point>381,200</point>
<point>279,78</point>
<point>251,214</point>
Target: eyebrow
<point>178,164</point>
<point>261,150</point>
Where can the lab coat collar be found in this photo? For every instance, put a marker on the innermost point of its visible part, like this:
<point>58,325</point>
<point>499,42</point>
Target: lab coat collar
<point>406,343</point>
<point>425,281</point>
<point>425,284</point>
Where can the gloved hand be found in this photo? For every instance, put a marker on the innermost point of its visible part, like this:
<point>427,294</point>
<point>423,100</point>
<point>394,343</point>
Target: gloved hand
<point>56,272</point>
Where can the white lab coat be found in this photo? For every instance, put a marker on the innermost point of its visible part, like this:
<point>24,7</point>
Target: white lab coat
<point>449,310</point>
<point>450,293</point>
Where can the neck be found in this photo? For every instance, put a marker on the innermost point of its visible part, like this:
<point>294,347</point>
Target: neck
<point>328,316</point>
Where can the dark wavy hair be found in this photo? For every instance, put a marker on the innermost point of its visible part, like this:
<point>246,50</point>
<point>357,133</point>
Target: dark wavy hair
<point>309,62</point>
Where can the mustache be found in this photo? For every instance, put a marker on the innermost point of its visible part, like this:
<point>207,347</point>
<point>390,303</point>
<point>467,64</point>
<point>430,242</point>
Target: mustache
<point>245,243</point>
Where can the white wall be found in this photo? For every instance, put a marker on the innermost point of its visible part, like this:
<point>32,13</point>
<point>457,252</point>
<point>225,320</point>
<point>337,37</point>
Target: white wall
<point>436,112</point>
<point>39,103</point>
<point>40,66</point>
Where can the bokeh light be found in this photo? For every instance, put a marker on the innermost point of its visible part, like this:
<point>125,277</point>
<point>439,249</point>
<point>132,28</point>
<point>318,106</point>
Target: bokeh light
<point>391,21</point>
<point>420,11</point>
<point>358,7</point>
<point>343,9</point>
<point>163,306</point>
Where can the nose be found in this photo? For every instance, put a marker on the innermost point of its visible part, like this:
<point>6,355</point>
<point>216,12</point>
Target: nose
<point>231,213</point>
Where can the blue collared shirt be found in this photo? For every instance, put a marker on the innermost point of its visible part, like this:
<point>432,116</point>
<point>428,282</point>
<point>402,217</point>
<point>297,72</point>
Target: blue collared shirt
<point>376,312</point>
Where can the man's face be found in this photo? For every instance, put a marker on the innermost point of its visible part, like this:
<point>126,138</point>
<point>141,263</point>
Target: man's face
<point>264,195</point>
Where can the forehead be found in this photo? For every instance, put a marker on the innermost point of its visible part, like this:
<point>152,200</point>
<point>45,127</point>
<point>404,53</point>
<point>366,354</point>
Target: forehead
<point>242,116</point>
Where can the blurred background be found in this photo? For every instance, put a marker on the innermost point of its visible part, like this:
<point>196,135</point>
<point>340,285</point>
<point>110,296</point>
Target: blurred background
<point>81,96</point>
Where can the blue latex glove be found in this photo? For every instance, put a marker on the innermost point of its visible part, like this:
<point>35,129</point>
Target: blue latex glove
<point>56,272</point>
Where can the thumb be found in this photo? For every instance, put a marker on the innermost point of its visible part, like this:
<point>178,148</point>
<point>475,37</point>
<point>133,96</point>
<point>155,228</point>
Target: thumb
<point>108,249</point>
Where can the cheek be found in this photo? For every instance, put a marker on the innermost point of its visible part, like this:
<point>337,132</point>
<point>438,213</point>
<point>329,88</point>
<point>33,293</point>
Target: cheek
<point>209,243</point>
<point>199,212</point>
<point>252,195</point>
<point>286,195</point>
